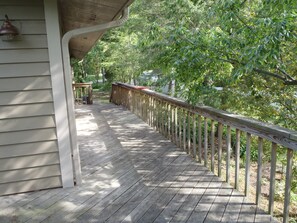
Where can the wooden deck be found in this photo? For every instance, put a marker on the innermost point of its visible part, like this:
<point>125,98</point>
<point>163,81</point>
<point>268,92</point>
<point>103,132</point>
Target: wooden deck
<point>132,174</point>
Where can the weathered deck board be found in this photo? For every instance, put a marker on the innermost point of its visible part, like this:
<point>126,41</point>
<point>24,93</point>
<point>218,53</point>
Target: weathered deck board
<point>132,174</point>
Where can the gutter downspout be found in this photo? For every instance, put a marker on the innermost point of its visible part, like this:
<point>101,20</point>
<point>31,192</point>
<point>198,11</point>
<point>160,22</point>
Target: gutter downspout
<point>68,83</point>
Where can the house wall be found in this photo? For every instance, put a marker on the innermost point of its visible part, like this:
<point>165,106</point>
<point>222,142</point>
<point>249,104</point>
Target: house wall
<point>29,145</point>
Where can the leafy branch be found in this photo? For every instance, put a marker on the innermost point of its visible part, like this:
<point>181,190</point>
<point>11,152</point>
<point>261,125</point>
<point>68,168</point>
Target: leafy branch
<point>286,78</point>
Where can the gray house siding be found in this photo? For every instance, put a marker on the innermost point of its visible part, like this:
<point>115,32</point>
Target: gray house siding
<point>29,153</point>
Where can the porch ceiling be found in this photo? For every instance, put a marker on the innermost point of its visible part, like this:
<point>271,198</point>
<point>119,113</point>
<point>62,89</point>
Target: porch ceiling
<point>77,13</point>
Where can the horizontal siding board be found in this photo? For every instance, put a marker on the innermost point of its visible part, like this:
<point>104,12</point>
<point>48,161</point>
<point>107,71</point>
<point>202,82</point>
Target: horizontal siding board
<point>23,12</point>
<point>26,97</point>
<point>30,185</point>
<point>39,135</point>
<point>25,83</point>
<point>29,174</point>
<point>18,2</point>
<point>25,42</point>
<point>28,149</point>
<point>24,56</point>
<point>24,70</point>
<point>19,124</point>
<point>29,161</point>
<point>29,154</point>
<point>16,111</point>
<point>33,27</point>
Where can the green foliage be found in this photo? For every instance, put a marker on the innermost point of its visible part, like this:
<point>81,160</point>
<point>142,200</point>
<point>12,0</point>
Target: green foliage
<point>247,48</point>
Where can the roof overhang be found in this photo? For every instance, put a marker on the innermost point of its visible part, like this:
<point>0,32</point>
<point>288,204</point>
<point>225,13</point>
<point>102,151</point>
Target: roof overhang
<point>84,13</point>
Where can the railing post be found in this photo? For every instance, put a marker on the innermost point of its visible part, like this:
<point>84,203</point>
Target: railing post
<point>175,119</point>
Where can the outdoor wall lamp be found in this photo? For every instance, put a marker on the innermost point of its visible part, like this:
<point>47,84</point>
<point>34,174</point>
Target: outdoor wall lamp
<point>8,31</point>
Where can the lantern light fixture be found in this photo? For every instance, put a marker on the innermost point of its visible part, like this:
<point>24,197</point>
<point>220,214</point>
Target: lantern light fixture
<point>8,31</point>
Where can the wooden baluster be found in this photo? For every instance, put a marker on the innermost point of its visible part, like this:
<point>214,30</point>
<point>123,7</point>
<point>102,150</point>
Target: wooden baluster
<point>272,178</point>
<point>228,154</point>
<point>247,164</point>
<point>147,101</point>
<point>189,133</point>
<point>145,108</point>
<point>199,139</point>
<point>168,121</point>
<point>184,131</point>
<point>212,145</point>
<point>237,159</point>
<point>180,120</point>
<point>132,101</point>
<point>138,101</point>
<point>149,110</point>
<point>161,117</point>
<point>164,118</point>
<point>157,115</point>
<point>194,137</point>
<point>220,137</point>
<point>176,125</point>
<point>288,185</point>
<point>259,170</point>
<point>205,141</point>
<point>152,113</point>
<point>172,123</point>
<point>142,107</point>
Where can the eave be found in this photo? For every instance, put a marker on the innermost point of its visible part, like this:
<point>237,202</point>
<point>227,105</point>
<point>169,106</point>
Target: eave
<point>77,14</point>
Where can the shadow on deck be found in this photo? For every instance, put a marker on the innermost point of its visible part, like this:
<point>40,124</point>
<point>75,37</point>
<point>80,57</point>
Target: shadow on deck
<point>132,174</point>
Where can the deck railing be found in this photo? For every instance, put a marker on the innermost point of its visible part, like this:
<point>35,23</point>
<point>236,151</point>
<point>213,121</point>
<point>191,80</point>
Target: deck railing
<point>207,134</point>
<point>83,92</point>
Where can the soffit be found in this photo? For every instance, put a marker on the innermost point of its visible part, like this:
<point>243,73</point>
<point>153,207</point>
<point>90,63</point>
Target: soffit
<point>83,13</point>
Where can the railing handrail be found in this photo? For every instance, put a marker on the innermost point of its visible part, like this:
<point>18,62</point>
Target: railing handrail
<point>277,134</point>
